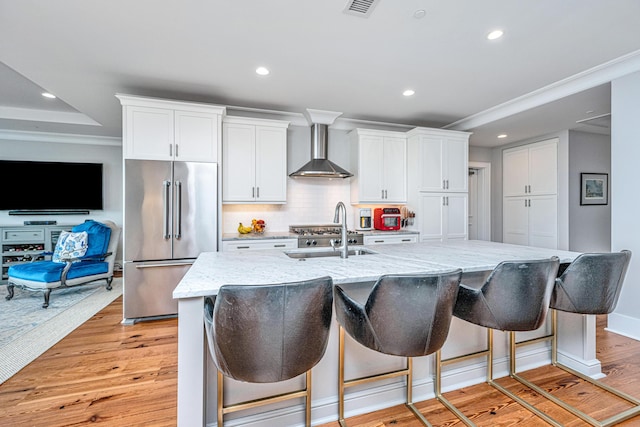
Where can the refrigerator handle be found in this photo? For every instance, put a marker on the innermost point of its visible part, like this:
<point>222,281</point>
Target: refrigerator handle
<point>165,213</point>
<point>178,234</point>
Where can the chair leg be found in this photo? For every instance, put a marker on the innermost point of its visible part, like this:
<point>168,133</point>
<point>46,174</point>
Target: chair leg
<point>109,280</point>
<point>438,392</point>
<point>10,290</point>
<point>342,384</point>
<point>613,420</point>
<point>47,293</point>
<point>220,399</point>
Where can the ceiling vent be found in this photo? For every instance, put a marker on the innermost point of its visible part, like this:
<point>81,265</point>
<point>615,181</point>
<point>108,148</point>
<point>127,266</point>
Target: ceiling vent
<point>362,8</point>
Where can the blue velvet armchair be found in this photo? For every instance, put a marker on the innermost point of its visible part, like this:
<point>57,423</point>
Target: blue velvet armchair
<point>86,255</point>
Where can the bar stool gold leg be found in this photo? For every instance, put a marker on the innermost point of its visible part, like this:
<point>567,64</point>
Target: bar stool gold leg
<point>618,418</point>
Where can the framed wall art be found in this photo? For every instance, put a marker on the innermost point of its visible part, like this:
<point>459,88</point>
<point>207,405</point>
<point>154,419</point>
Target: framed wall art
<point>594,188</point>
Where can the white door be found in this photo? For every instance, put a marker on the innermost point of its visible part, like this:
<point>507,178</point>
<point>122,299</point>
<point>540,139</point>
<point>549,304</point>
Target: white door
<point>271,160</point>
<point>456,212</point>
<point>515,220</point>
<point>394,169</point>
<point>543,168</point>
<point>196,137</point>
<point>432,213</point>
<point>543,221</point>
<point>238,163</point>
<point>371,152</point>
<point>515,175</point>
<point>457,153</point>
<point>431,159</point>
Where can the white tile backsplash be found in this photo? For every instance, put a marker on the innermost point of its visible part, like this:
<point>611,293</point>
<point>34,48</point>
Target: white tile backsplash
<point>309,201</point>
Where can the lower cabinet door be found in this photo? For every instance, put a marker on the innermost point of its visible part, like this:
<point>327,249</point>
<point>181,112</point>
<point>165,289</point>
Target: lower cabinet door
<point>148,287</point>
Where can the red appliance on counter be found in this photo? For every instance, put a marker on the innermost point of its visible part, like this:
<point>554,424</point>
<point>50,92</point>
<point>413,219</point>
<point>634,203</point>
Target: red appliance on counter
<point>386,218</point>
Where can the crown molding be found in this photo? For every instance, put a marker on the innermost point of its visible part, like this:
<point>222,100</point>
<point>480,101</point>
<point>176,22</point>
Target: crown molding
<point>61,138</point>
<point>598,75</point>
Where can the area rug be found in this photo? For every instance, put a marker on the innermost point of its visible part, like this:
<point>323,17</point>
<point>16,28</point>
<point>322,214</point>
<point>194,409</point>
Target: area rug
<point>27,330</point>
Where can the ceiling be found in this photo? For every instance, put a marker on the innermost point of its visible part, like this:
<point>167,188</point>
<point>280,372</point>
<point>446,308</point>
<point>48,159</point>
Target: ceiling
<point>551,68</point>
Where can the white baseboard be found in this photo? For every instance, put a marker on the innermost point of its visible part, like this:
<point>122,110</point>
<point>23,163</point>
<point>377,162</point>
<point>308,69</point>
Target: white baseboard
<point>623,325</point>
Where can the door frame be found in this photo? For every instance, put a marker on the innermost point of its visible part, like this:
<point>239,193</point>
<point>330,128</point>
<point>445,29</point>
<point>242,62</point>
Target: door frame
<point>484,199</point>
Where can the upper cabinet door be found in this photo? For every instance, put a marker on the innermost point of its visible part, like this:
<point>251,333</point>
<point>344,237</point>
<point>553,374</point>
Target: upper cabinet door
<point>394,155</point>
<point>515,167</point>
<point>148,133</point>
<point>457,164</point>
<point>543,168</point>
<point>432,163</point>
<point>271,164</point>
<point>196,136</point>
<point>370,167</point>
<point>238,162</point>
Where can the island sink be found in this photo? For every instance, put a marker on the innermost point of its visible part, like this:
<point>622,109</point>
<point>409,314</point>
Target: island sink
<point>314,253</point>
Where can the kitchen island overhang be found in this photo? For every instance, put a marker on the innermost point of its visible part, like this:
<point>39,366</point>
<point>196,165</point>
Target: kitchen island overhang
<point>196,373</point>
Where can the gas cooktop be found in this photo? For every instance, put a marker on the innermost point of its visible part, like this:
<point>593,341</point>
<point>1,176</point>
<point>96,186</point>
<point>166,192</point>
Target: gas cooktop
<point>322,234</point>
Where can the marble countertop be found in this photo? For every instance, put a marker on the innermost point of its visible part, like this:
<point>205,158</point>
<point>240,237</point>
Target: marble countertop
<point>214,269</point>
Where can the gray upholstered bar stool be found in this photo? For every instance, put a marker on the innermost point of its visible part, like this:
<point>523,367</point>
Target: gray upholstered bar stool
<point>590,285</point>
<point>404,315</point>
<point>267,334</point>
<point>514,297</point>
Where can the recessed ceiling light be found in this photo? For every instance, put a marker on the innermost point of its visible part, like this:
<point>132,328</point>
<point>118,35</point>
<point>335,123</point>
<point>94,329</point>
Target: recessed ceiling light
<point>409,92</point>
<point>502,135</point>
<point>263,71</point>
<point>48,95</point>
<point>419,14</point>
<point>495,34</point>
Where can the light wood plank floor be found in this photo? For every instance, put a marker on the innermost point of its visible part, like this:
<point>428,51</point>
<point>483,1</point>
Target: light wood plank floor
<point>115,375</point>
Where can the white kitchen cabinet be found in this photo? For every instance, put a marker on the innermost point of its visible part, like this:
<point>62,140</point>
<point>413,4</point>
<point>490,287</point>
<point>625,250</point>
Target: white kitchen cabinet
<point>254,153</point>
<point>438,160</point>
<point>531,221</point>
<point>258,244</point>
<point>379,165</point>
<point>389,239</point>
<point>530,202</point>
<point>531,169</point>
<point>160,129</point>
<point>443,216</point>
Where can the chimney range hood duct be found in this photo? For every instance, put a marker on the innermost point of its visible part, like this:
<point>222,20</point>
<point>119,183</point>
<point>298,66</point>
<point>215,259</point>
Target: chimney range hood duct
<point>320,166</point>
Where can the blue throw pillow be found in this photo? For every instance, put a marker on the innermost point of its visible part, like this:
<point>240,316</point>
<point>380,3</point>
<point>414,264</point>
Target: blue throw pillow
<point>70,245</point>
<point>98,236</point>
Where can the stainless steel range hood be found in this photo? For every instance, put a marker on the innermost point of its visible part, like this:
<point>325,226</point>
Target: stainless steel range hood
<point>320,166</point>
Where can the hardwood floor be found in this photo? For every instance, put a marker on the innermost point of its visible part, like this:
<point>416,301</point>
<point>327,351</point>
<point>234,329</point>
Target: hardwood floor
<point>115,375</point>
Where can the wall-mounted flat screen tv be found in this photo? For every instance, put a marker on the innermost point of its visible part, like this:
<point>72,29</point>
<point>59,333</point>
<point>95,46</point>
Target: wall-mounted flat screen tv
<point>54,187</point>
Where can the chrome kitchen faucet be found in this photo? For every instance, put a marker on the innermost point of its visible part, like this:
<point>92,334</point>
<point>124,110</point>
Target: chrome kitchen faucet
<point>344,250</point>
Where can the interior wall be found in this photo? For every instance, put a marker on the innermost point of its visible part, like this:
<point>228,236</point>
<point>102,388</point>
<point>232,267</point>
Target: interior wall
<point>42,150</point>
<point>480,154</point>
<point>589,225</point>
<point>625,150</point>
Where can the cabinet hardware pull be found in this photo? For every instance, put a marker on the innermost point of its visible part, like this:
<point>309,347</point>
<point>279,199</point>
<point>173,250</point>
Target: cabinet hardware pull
<point>529,191</point>
<point>258,192</point>
<point>242,247</point>
<point>447,184</point>
<point>406,240</point>
<point>444,187</point>
<point>253,192</point>
<point>178,234</point>
<point>382,194</point>
<point>170,150</point>
<point>378,241</point>
<point>177,150</point>
<point>165,201</point>
<point>386,196</point>
<point>279,246</point>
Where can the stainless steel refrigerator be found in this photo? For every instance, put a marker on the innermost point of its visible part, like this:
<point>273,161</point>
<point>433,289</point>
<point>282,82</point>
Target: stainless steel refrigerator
<point>170,217</point>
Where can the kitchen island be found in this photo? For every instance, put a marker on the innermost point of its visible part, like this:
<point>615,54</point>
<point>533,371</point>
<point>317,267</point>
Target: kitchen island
<point>356,274</point>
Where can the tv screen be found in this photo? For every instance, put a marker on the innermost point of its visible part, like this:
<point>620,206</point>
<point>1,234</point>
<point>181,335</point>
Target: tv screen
<point>50,186</point>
